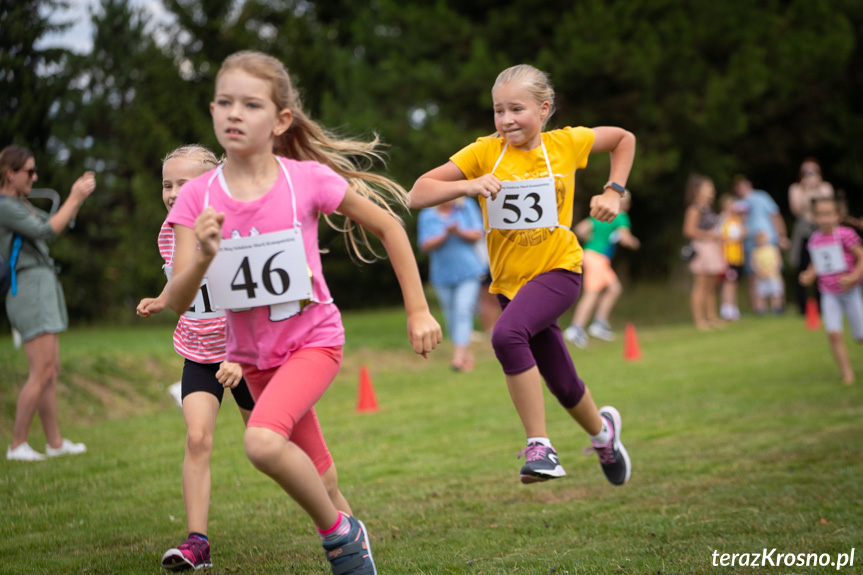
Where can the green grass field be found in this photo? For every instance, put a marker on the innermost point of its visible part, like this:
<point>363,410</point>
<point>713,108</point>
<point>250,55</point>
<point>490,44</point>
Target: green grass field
<point>741,439</point>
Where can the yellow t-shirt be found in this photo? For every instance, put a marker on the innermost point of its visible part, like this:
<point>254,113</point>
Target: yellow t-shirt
<point>732,235</point>
<point>517,256</point>
<point>767,262</point>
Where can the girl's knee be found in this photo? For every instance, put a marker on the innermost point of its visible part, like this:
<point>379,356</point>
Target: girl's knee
<point>262,446</point>
<point>199,442</point>
<point>502,338</point>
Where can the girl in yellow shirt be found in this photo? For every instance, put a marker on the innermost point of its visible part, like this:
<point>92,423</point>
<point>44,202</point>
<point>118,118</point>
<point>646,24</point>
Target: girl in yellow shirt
<point>524,180</point>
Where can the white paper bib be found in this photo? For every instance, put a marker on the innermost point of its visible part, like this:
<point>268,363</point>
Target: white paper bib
<point>260,270</point>
<point>828,259</point>
<point>524,204</point>
<point>202,307</point>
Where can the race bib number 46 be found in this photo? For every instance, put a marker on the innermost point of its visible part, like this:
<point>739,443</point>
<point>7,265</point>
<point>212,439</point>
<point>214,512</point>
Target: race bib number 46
<point>260,270</point>
<point>522,205</point>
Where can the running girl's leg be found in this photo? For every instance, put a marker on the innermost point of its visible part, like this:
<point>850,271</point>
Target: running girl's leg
<point>199,410</point>
<point>284,407</point>
<point>201,395</point>
<point>556,367</point>
<point>331,484</point>
<point>534,310</point>
<point>533,314</point>
<point>832,316</point>
<point>284,441</point>
<point>853,306</point>
<point>310,442</point>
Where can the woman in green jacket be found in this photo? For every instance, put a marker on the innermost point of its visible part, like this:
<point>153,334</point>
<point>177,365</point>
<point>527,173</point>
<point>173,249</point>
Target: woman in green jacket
<point>37,309</point>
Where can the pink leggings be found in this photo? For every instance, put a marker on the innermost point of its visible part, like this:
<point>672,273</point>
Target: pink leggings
<point>285,397</point>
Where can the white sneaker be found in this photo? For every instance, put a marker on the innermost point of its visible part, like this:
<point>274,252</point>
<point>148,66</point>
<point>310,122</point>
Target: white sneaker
<point>66,448</point>
<point>176,391</point>
<point>600,331</point>
<point>23,453</point>
<point>576,336</point>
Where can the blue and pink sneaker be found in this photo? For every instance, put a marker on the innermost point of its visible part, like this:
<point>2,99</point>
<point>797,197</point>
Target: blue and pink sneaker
<point>541,463</point>
<point>351,554</point>
<point>193,553</point>
<point>613,456</point>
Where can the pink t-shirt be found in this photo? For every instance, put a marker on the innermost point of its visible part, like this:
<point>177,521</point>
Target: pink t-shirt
<point>200,340</point>
<point>847,239</point>
<point>253,338</point>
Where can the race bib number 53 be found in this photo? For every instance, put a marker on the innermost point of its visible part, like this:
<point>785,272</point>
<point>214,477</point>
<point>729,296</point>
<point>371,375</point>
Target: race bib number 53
<point>260,270</point>
<point>522,205</point>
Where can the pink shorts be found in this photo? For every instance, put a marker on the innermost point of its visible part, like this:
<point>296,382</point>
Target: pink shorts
<point>598,274</point>
<point>708,259</point>
<point>285,397</point>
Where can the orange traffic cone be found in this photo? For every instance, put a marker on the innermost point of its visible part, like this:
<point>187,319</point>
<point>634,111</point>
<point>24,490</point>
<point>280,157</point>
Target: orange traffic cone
<point>366,400</point>
<point>631,349</point>
<point>813,318</point>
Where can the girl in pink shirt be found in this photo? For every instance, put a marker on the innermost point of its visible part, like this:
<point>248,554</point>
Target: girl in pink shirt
<point>255,219</point>
<point>837,263</point>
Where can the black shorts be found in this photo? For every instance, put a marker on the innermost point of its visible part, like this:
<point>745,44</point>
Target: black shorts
<point>202,377</point>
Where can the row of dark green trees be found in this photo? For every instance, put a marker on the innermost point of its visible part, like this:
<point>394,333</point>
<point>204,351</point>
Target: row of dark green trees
<point>706,86</point>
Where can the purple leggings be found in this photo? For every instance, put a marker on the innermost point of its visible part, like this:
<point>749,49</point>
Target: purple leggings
<point>527,334</point>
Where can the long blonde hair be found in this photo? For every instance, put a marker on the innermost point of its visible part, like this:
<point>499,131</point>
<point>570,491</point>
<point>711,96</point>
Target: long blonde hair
<point>305,139</point>
<point>535,81</point>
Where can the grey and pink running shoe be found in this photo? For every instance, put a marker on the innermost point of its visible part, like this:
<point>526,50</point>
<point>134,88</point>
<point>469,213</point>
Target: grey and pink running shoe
<point>541,463</point>
<point>351,554</point>
<point>193,553</point>
<point>613,456</point>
